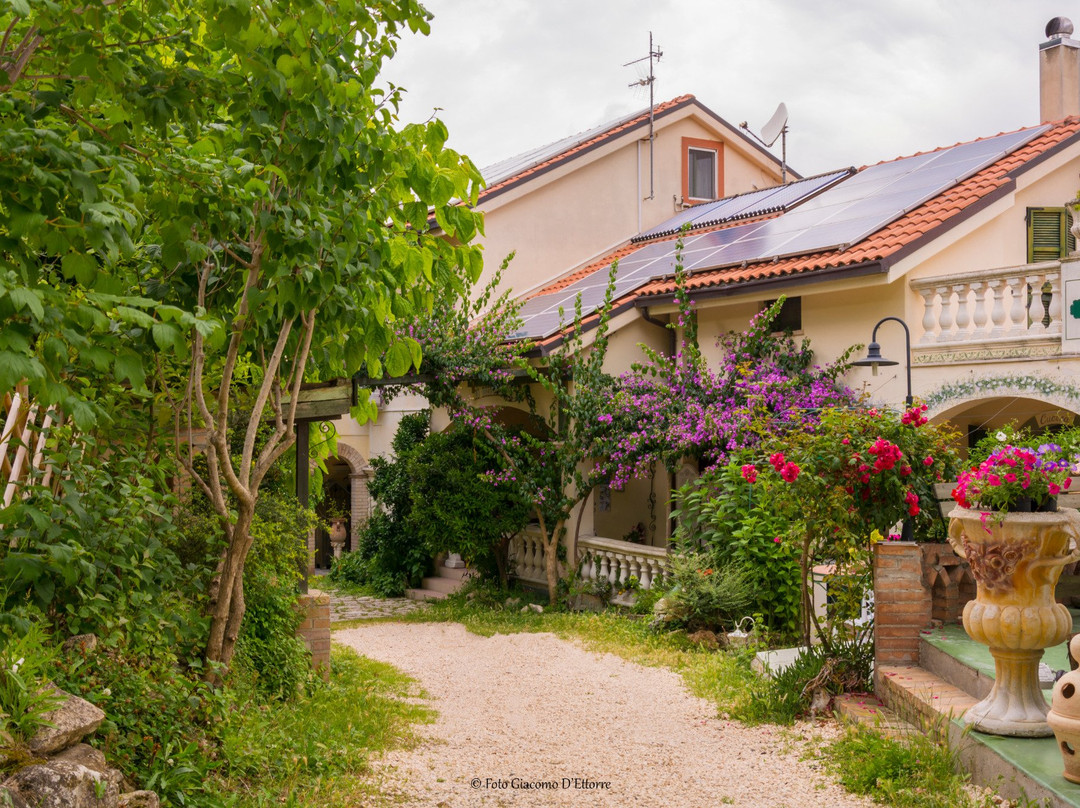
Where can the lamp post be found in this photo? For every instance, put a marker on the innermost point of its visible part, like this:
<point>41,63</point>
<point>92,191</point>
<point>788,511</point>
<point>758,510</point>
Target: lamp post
<point>874,358</point>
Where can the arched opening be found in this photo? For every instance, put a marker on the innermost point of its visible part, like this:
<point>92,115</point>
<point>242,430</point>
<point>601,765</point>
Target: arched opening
<point>345,492</point>
<point>975,419</point>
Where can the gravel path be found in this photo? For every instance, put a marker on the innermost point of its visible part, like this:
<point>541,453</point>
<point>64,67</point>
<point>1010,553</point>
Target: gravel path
<point>525,710</point>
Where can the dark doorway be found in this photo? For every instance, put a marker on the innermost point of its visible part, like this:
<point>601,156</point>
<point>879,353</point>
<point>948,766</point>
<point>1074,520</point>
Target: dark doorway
<point>337,498</point>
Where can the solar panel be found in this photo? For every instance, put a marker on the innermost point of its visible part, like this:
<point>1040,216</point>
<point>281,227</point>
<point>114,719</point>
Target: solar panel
<point>843,212</point>
<point>752,203</point>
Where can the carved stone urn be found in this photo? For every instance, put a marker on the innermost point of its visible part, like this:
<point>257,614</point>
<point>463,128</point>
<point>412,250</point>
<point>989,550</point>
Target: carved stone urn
<point>1064,717</point>
<point>337,535</point>
<point>1016,562</point>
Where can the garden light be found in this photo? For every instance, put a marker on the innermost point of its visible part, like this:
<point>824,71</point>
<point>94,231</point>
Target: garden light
<point>874,359</point>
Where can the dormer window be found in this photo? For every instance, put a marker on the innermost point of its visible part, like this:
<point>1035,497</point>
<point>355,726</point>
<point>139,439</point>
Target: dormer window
<point>702,173</point>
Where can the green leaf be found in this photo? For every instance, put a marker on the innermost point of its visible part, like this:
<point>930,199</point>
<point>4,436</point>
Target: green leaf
<point>23,298</point>
<point>81,267</point>
<point>398,359</point>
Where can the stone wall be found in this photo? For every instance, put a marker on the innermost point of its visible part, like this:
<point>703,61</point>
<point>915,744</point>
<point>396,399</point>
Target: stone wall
<point>315,628</point>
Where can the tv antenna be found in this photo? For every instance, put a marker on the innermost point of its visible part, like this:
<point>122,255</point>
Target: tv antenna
<point>775,128</point>
<point>648,81</point>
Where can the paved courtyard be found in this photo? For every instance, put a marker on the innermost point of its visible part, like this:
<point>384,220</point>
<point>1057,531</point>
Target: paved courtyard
<point>362,607</point>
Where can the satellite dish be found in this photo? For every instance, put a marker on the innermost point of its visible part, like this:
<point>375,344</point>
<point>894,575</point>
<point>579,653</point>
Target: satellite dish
<point>772,130</point>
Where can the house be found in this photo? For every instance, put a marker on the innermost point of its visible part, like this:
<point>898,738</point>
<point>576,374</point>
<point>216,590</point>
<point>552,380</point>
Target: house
<point>560,206</point>
<point>972,246</point>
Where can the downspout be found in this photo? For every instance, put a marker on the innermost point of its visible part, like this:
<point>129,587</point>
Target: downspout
<point>672,343</point>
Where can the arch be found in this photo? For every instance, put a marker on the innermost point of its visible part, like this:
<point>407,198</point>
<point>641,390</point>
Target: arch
<point>954,397</point>
<point>360,472</point>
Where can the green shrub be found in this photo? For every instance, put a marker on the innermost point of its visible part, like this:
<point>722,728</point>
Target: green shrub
<point>707,592</point>
<point>268,646</point>
<point>24,664</point>
<point>159,718</point>
<point>723,514</point>
<point>456,506</point>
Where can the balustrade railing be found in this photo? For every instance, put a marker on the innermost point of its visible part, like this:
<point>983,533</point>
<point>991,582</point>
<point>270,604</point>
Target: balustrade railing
<point>1014,304</point>
<point>601,559</point>
<point>616,561</point>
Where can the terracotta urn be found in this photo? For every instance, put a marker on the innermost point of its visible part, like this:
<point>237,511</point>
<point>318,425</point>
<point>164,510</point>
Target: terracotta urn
<point>1064,716</point>
<point>1016,560</point>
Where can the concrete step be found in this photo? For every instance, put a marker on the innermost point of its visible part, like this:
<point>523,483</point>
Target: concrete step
<point>869,710</point>
<point>424,594</point>
<point>457,573</point>
<point>446,585</point>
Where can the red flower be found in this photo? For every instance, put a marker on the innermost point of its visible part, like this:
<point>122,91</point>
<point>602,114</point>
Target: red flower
<point>789,472</point>
<point>749,472</point>
<point>777,461</point>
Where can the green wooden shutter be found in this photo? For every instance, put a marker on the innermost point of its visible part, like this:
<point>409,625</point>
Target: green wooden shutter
<point>1048,234</point>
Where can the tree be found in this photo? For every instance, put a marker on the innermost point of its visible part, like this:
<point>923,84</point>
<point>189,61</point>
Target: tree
<point>236,210</point>
<point>549,467</point>
<point>310,238</point>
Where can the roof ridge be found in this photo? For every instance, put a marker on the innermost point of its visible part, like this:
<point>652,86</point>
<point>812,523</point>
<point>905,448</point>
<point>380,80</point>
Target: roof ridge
<point>965,143</point>
<point>589,137</point>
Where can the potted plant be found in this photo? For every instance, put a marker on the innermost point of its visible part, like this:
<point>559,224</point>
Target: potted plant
<point>1016,540</point>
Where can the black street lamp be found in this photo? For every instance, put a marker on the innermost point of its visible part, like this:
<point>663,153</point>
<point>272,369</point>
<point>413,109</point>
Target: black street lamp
<point>874,358</point>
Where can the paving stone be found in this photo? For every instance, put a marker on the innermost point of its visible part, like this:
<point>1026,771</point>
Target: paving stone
<point>364,607</point>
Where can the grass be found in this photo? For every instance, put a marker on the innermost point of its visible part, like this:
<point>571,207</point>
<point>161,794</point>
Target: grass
<point>315,750</point>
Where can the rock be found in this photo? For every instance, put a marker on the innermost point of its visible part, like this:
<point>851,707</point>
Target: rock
<point>705,638</point>
<point>471,596</point>
<point>85,755</point>
<point>72,721</point>
<point>139,799</point>
<point>512,603</point>
<point>536,607</point>
<point>11,799</point>
<point>63,784</point>
<point>81,643</point>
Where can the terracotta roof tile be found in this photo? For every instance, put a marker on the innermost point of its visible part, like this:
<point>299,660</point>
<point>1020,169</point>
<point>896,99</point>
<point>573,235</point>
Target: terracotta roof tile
<point>899,234</point>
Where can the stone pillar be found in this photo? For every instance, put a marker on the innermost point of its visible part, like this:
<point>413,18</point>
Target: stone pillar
<point>315,629</point>
<point>902,603</point>
<point>360,505</point>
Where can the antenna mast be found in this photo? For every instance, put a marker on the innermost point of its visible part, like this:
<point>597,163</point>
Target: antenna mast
<point>653,57</point>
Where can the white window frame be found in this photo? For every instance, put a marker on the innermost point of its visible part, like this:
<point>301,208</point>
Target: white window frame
<point>690,172</point>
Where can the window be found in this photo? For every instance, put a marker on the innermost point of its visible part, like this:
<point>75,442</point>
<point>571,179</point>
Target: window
<point>702,170</point>
<point>1048,234</point>
<point>789,318</point>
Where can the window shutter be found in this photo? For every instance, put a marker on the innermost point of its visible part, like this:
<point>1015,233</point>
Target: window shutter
<point>1048,234</point>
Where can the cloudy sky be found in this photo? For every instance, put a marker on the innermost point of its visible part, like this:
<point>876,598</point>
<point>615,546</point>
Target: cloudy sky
<point>863,81</point>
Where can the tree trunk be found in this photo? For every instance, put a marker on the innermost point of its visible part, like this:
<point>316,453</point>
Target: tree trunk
<point>551,561</point>
<point>502,547</point>
<point>227,593</point>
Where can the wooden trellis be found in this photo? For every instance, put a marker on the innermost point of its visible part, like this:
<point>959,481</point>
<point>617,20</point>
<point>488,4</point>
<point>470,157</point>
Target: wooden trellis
<point>22,443</point>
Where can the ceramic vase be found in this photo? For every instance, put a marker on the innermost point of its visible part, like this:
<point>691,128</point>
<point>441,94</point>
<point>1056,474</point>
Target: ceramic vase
<point>1064,716</point>
<point>1016,560</point>
<point>337,535</point>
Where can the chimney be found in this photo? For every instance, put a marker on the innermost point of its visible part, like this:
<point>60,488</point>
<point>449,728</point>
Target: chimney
<point>1059,72</point>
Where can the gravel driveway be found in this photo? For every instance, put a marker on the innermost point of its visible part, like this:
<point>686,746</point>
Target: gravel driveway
<point>529,719</point>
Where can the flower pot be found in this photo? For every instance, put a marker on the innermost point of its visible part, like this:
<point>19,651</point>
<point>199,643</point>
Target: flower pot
<point>1016,560</point>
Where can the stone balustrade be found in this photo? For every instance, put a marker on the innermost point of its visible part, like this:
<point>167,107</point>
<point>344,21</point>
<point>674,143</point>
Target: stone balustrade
<point>1001,313</point>
<point>526,556</point>
<point>615,561</point>
<point>601,559</point>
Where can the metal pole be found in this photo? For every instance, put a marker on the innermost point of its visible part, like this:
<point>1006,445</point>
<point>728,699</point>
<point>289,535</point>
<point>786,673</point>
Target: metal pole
<point>907,347</point>
<point>303,489</point>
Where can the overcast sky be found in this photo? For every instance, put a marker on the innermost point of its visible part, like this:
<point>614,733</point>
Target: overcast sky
<point>863,81</point>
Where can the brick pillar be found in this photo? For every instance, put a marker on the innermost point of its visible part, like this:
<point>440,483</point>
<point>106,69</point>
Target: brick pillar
<point>902,603</point>
<point>315,628</point>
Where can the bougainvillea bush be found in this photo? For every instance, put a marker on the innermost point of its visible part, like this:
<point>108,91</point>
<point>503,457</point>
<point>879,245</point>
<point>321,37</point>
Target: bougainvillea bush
<point>673,408</point>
